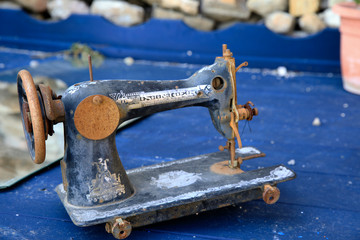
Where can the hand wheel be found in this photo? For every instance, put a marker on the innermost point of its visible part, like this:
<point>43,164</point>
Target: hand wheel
<point>33,116</point>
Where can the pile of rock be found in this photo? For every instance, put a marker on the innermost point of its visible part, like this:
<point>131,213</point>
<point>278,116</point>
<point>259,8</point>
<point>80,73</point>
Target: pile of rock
<point>310,16</point>
<point>280,16</point>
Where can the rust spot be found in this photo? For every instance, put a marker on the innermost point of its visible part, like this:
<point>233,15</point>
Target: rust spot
<point>96,117</point>
<point>26,117</point>
<point>54,107</point>
<point>271,194</point>
<point>224,169</point>
<point>119,228</point>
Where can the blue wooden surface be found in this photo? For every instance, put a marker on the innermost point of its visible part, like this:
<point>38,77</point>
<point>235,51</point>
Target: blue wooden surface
<point>249,42</point>
<point>322,203</point>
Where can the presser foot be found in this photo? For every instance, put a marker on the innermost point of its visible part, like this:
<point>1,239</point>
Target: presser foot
<point>180,188</point>
<point>225,168</point>
<point>233,165</point>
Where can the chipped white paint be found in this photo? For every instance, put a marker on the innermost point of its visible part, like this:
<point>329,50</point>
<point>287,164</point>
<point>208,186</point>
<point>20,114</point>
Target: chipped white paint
<point>174,179</point>
<point>161,165</point>
<point>82,215</point>
<point>247,150</point>
<point>74,88</point>
<point>61,188</point>
<point>92,83</point>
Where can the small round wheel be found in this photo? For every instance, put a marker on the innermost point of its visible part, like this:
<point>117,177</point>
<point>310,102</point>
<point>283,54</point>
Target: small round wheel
<point>119,228</point>
<point>271,194</point>
<point>33,116</point>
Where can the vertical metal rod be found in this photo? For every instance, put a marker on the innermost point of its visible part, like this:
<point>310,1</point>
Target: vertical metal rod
<point>224,47</point>
<point>232,162</point>
<point>90,69</point>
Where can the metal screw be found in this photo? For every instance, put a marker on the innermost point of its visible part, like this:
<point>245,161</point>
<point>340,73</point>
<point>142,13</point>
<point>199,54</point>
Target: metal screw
<point>97,100</point>
<point>222,148</point>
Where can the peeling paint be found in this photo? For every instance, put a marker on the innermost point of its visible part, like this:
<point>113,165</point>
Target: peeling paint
<point>82,215</point>
<point>247,150</point>
<point>175,179</point>
<point>73,89</point>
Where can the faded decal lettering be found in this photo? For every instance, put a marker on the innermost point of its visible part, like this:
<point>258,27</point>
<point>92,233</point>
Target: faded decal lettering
<point>144,99</point>
<point>106,186</point>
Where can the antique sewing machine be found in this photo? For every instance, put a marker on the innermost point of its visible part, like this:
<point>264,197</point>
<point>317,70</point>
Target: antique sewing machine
<point>96,188</point>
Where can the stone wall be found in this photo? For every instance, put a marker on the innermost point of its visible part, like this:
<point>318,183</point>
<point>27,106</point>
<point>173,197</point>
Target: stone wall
<point>291,17</point>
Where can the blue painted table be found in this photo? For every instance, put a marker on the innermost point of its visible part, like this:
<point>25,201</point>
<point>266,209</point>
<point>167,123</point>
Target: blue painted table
<point>320,204</point>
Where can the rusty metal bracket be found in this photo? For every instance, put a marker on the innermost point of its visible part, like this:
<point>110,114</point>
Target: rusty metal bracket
<point>54,107</point>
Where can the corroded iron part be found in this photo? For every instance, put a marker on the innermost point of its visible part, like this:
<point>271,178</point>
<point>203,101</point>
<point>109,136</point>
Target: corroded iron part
<point>40,110</point>
<point>54,108</point>
<point>33,119</point>
<point>238,112</point>
<point>224,169</point>
<point>119,228</point>
<point>271,194</point>
<point>97,117</point>
<point>27,118</point>
<point>90,69</point>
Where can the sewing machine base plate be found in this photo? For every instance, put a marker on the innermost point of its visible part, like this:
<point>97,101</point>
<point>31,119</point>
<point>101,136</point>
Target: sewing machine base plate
<point>179,188</point>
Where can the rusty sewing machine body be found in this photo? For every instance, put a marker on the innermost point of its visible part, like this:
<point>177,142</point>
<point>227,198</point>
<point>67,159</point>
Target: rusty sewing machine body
<point>96,188</point>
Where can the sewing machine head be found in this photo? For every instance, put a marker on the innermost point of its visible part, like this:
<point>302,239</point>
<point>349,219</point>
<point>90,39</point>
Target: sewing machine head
<point>94,109</point>
<point>91,111</point>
